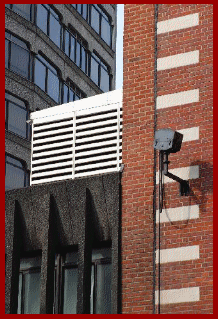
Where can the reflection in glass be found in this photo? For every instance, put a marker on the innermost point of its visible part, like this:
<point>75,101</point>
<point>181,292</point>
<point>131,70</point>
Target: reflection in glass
<point>19,60</point>
<point>55,30</point>
<point>103,289</point>
<point>40,74</point>
<point>17,117</point>
<point>95,18</point>
<point>32,293</point>
<point>42,17</point>
<point>53,86</point>
<point>70,290</point>
<point>94,71</point>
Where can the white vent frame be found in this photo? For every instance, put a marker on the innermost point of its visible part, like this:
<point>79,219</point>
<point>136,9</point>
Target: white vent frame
<point>77,139</point>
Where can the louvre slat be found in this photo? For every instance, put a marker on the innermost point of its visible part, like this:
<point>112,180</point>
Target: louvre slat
<point>52,179</point>
<point>96,158</point>
<point>41,167</point>
<point>42,147</point>
<point>100,123</point>
<point>51,139</point>
<point>101,171</point>
<point>65,150</point>
<point>100,130</point>
<point>50,126</point>
<point>105,143</point>
<point>84,167</point>
<point>96,117</point>
<point>53,118</point>
<point>47,173</point>
<point>93,152</point>
<point>51,159</point>
<point>94,138</point>
<point>53,132</point>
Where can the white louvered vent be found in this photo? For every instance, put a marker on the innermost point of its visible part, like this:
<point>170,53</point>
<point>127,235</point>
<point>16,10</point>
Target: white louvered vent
<point>77,139</point>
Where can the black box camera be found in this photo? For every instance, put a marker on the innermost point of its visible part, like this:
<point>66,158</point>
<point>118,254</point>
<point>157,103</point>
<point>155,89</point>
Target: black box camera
<point>168,140</point>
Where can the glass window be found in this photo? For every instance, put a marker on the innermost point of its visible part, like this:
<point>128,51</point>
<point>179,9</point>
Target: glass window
<point>23,9</point>
<point>17,55</point>
<point>40,74</point>
<point>70,290</point>
<point>106,31</point>
<point>48,21</point>
<point>29,286</point>
<point>42,18</point>
<point>16,115</point>
<point>95,19</point>
<point>53,86</point>
<point>71,93</point>
<point>55,30</point>
<point>45,76</point>
<point>16,175</point>
<point>94,71</point>
<point>105,80</point>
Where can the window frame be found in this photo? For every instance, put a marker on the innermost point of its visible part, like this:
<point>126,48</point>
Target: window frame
<point>23,168</point>
<point>25,107</point>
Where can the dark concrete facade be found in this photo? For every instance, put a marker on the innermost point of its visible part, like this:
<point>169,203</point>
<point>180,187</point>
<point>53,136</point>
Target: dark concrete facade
<point>54,216</point>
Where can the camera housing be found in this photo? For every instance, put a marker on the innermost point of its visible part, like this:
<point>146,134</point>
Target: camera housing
<point>168,140</point>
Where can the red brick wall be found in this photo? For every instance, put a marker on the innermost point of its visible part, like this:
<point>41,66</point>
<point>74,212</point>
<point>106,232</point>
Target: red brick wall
<point>137,181</point>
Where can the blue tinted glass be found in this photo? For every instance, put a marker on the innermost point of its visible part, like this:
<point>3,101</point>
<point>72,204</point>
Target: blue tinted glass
<point>79,8</point>
<point>106,31</point>
<point>95,18</point>
<point>85,10</point>
<point>104,85</point>
<point>65,97</point>
<point>71,96</point>
<point>84,63</point>
<point>55,31</point>
<point>40,74</point>
<point>66,45</point>
<point>72,48</point>
<point>53,86</point>
<point>17,117</point>
<point>94,71</point>
<point>42,18</point>
<point>23,9</point>
<point>14,177</point>
<point>6,53</point>
<point>78,53</point>
<point>19,62</point>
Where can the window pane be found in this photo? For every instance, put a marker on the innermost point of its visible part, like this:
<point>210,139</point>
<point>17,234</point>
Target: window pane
<point>79,8</point>
<point>6,53</point>
<point>92,290</point>
<point>19,60</point>
<point>106,31</point>
<point>70,291</point>
<point>32,293</point>
<point>23,9</point>
<point>72,96</point>
<point>66,45</point>
<point>94,71</point>
<point>65,97</point>
<point>78,46</point>
<point>14,177</point>
<point>83,63</point>
<point>17,119</point>
<point>40,73</point>
<point>53,86</point>
<point>72,48</point>
<point>19,294</point>
<point>42,17</point>
<point>104,80</point>
<point>103,293</point>
<point>55,30</point>
<point>84,14</point>
<point>95,18</point>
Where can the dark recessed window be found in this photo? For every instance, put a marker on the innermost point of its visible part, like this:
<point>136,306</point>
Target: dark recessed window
<point>75,48</point>
<point>29,286</point>
<point>71,93</point>
<point>99,73</point>
<point>17,55</point>
<point>97,19</point>
<point>48,21</point>
<point>46,77</point>
<point>25,10</point>
<point>16,115</point>
<point>65,284</point>
<point>16,175</point>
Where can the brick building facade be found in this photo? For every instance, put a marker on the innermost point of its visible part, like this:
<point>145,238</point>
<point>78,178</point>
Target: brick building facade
<point>167,84</point>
